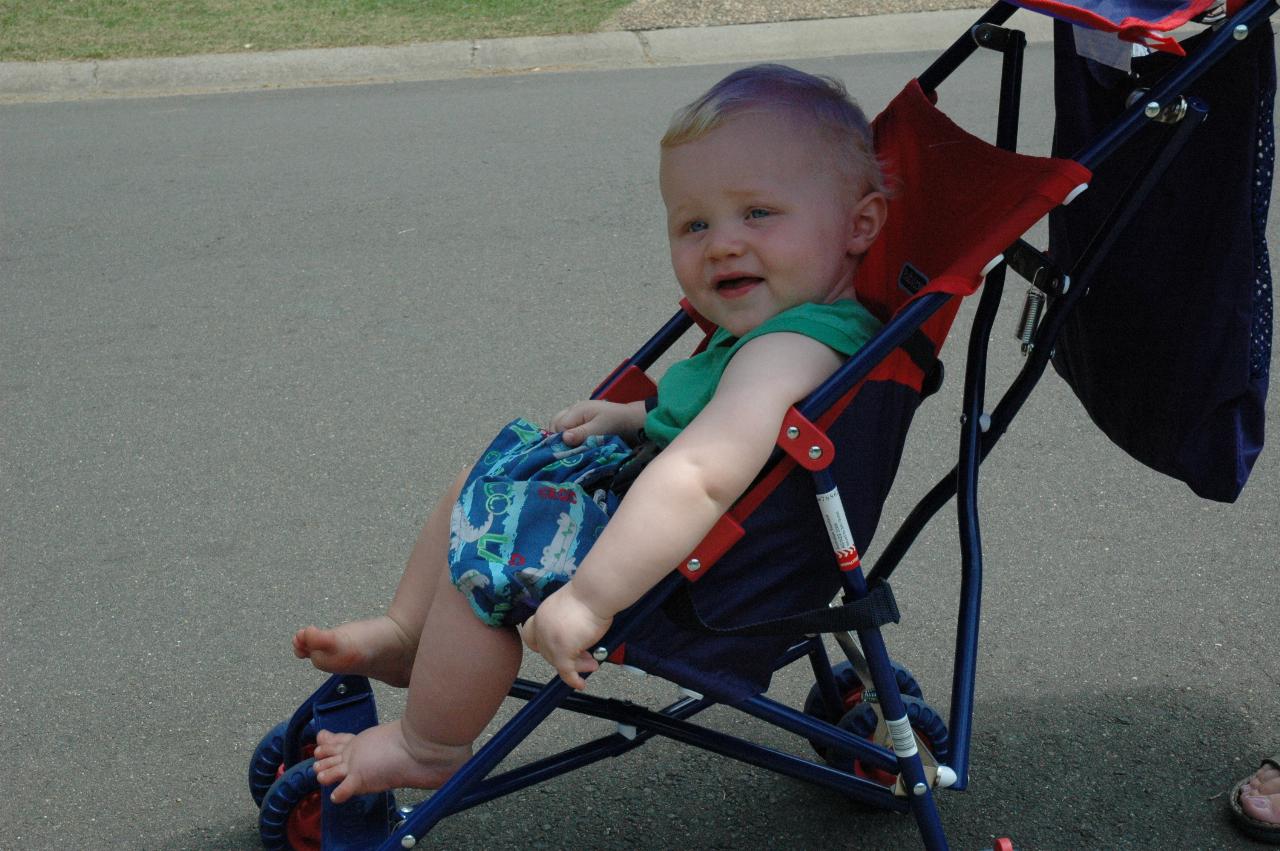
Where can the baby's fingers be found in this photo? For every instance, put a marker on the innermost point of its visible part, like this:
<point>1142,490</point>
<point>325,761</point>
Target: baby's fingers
<point>574,415</point>
<point>575,436</point>
<point>529,632</point>
<point>572,674</point>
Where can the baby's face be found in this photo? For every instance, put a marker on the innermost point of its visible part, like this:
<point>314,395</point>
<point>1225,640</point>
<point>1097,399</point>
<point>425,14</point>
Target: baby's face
<point>759,220</point>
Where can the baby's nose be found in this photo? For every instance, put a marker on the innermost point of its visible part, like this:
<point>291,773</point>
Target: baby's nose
<point>726,241</point>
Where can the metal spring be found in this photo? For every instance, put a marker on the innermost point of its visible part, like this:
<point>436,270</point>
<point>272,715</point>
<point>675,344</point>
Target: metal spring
<point>1031,310</point>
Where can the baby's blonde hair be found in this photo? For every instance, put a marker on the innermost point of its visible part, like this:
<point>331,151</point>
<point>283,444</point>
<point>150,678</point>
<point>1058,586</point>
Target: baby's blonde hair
<point>823,101</point>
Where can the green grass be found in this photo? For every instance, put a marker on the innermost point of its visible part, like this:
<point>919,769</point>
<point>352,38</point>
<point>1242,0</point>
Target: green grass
<point>33,30</point>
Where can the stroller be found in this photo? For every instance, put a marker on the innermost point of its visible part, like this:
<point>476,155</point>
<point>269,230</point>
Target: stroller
<point>753,596</point>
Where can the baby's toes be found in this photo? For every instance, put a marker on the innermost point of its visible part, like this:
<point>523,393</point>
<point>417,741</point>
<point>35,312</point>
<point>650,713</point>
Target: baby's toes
<point>331,744</point>
<point>329,770</point>
<point>343,791</point>
<point>325,737</point>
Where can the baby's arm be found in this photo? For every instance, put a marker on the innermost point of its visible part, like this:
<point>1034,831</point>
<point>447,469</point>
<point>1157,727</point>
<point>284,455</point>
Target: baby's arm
<point>580,421</point>
<point>680,496</point>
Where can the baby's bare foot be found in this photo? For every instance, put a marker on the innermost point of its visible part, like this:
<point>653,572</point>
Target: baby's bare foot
<point>379,758</point>
<point>376,648</point>
<point>1260,797</point>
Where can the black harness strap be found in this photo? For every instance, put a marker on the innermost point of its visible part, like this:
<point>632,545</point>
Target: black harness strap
<point>920,349</point>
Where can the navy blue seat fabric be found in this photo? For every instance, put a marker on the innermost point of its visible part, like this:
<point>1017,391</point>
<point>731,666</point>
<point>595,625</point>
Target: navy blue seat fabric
<point>784,564</point>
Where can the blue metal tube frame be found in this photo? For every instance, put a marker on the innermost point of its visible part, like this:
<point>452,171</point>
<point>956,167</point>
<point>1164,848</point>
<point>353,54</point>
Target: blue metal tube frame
<point>778,714</point>
<point>902,326</point>
<point>465,789</point>
<point>921,802</point>
<point>1173,84</point>
<point>781,763</point>
<point>964,47</point>
<point>784,717</point>
<point>824,676</point>
<point>768,710</point>
<point>760,756</point>
<point>468,787</point>
<point>653,348</point>
<point>612,745</point>
<point>449,797</point>
<point>964,673</point>
<point>1046,336</point>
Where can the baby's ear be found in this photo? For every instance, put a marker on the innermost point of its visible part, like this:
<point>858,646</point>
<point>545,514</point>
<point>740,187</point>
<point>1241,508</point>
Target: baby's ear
<point>867,219</point>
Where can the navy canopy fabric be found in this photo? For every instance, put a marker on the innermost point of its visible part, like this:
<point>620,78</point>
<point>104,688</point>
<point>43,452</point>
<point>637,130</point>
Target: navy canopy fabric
<point>1138,21</point>
<point>1170,347</point>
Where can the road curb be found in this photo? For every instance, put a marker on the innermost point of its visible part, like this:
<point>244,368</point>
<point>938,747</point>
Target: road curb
<point>52,81</point>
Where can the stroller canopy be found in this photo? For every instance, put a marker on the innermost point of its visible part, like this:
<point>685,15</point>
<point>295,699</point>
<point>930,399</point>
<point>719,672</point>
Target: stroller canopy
<point>1139,21</point>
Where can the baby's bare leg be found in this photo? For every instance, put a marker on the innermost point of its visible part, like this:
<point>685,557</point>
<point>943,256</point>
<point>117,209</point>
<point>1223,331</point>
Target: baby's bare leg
<point>462,672</point>
<point>384,647</point>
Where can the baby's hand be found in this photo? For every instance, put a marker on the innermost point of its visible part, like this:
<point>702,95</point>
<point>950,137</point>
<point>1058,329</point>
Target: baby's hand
<point>580,421</point>
<point>564,631</point>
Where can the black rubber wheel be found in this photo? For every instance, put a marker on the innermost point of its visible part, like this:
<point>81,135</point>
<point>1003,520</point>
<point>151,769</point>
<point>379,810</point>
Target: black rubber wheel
<point>861,722</point>
<point>264,765</point>
<point>290,816</point>
<point>267,762</point>
<point>852,693</point>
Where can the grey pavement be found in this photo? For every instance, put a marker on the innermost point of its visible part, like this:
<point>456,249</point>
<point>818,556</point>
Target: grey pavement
<point>246,339</point>
<point>668,46</point>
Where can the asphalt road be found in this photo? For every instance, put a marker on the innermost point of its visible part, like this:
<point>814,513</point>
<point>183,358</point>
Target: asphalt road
<point>247,338</point>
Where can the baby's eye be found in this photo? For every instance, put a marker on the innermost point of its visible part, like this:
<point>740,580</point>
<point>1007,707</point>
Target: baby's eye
<point>696,226</point>
<point>758,213</point>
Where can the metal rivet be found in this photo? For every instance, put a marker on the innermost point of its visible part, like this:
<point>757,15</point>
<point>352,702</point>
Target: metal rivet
<point>341,689</point>
<point>919,789</point>
<point>600,654</point>
<point>1152,110</point>
<point>815,452</point>
<point>693,565</point>
<point>793,433</point>
<point>1240,33</point>
<point>408,841</point>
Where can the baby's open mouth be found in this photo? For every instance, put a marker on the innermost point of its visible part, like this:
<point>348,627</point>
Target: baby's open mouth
<point>732,284</point>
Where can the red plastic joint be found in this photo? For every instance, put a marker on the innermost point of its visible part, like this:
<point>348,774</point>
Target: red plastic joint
<point>618,657</point>
<point>708,327</point>
<point>805,442</point>
<point>704,324</point>
<point>629,385</point>
<point>718,541</point>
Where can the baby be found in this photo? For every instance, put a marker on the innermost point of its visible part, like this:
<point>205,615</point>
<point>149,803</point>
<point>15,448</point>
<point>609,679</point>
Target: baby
<point>773,193</point>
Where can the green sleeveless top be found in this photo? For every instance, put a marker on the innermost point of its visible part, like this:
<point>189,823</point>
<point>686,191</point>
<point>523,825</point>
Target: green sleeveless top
<point>845,326</point>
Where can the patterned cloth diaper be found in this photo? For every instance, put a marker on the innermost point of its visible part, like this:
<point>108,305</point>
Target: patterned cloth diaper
<point>527,515</point>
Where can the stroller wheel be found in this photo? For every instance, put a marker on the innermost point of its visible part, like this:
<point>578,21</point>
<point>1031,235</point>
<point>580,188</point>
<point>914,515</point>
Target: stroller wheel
<point>290,816</point>
<point>862,720</point>
<point>853,693</point>
<point>267,762</point>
